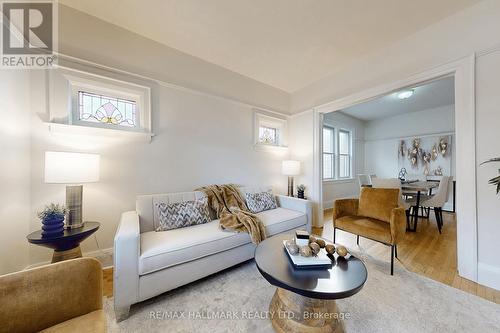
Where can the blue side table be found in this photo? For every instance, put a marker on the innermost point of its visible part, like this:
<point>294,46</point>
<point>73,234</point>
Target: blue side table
<point>67,245</point>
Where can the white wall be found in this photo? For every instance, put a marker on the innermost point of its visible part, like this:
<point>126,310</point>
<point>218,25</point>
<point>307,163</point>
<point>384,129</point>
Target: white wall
<point>346,188</point>
<point>14,169</point>
<point>382,140</point>
<point>472,30</point>
<point>202,118</point>
<point>425,122</point>
<point>488,146</point>
<point>199,140</point>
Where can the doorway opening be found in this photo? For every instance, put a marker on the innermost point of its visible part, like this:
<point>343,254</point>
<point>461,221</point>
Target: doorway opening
<point>462,139</point>
<point>408,137</point>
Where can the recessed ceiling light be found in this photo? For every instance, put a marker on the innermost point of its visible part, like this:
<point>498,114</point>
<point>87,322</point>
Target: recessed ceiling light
<point>406,94</point>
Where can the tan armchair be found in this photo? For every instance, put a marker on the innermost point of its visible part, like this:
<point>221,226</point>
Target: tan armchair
<point>61,297</point>
<point>376,215</point>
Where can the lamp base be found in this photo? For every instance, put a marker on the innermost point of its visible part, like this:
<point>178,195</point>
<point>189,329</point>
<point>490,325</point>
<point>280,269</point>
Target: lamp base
<point>74,204</point>
<point>290,186</point>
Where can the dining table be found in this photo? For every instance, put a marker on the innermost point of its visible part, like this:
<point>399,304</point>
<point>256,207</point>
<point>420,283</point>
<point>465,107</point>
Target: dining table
<point>416,188</point>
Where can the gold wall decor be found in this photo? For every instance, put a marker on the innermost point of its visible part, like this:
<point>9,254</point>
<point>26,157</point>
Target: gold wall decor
<point>443,146</point>
<point>426,158</point>
<point>434,152</point>
<point>414,152</point>
<point>402,148</point>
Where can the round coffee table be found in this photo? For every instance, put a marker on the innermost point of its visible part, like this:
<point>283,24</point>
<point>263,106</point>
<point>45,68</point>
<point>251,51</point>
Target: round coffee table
<point>67,245</point>
<point>304,300</point>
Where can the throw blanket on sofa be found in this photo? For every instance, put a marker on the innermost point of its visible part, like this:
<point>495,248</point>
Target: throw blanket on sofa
<point>232,211</point>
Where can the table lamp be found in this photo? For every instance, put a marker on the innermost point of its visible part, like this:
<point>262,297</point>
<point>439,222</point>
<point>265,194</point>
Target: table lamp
<point>290,168</point>
<point>74,169</point>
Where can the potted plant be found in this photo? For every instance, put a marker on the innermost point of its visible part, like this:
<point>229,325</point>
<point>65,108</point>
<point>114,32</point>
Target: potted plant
<point>496,180</point>
<point>300,191</point>
<point>52,217</point>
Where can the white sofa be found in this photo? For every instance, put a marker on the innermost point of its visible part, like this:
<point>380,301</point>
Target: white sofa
<point>149,263</point>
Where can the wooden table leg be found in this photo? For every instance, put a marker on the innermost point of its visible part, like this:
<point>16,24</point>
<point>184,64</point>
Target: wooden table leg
<point>293,313</point>
<point>66,255</point>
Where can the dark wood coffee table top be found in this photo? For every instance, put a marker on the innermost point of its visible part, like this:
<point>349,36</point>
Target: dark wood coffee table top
<point>345,278</point>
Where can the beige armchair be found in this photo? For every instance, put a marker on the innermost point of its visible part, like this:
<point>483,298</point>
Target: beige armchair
<point>61,297</point>
<point>376,215</point>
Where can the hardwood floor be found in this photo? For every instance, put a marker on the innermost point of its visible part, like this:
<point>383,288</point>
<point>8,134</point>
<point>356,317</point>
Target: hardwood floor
<point>425,252</point>
<point>107,285</point>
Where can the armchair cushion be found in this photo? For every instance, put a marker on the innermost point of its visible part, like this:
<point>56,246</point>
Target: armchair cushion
<point>365,227</point>
<point>378,203</point>
<point>92,322</point>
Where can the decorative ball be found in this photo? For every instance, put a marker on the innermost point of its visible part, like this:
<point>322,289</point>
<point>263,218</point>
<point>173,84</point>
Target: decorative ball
<point>312,239</point>
<point>321,243</point>
<point>292,247</point>
<point>305,251</point>
<point>314,247</point>
<point>330,248</point>
<point>341,251</point>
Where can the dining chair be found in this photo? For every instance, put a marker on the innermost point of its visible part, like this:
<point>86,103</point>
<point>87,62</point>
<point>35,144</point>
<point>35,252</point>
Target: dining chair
<point>437,201</point>
<point>407,204</point>
<point>364,180</point>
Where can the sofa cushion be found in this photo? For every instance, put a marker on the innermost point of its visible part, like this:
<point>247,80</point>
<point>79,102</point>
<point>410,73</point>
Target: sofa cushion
<point>182,214</point>
<point>261,201</point>
<point>281,219</point>
<point>366,227</point>
<point>160,250</point>
<point>172,247</point>
<point>378,203</point>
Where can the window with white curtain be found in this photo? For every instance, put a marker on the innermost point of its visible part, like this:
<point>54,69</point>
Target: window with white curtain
<point>337,153</point>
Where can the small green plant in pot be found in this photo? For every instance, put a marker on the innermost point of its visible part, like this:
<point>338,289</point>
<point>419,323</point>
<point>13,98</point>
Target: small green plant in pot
<point>52,217</point>
<point>300,191</point>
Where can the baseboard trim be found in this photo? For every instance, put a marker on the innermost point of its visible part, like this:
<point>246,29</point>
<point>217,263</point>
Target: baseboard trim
<point>93,254</point>
<point>488,275</point>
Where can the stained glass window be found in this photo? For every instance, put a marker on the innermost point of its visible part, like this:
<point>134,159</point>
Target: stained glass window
<point>106,110</point>
<point>268,135</point>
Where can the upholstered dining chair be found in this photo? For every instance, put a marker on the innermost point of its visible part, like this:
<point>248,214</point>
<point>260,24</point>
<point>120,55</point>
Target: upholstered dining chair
<point>437,201</point>
<point>407,204</point>
<point>364,180</point>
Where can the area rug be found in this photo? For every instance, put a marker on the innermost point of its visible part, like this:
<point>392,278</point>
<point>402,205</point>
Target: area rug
<point>237,300</point>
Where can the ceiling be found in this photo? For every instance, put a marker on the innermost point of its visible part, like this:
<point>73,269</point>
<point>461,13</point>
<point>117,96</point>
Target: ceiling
<point>287,44</point>
<point>428,96</point>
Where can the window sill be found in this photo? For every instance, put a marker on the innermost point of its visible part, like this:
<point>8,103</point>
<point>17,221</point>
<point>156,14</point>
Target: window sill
<point>339,181</point>
<point>269,148</point>
<point>66,129</point>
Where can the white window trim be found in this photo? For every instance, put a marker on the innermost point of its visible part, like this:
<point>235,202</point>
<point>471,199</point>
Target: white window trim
<point>93,83</point>
<point>336,155</point>
<point>99,85</point>
<point>281,124</point>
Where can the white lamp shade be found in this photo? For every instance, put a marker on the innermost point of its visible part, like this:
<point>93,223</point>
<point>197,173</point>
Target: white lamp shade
<point>71,168</point>
<point>290,168</point>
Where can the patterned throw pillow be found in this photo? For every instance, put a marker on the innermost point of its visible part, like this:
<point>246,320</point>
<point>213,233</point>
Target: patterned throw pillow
<point>258,202</point>
<point>182,214</point>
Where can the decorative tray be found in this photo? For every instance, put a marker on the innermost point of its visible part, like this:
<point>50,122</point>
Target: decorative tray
<point>322,260</point>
